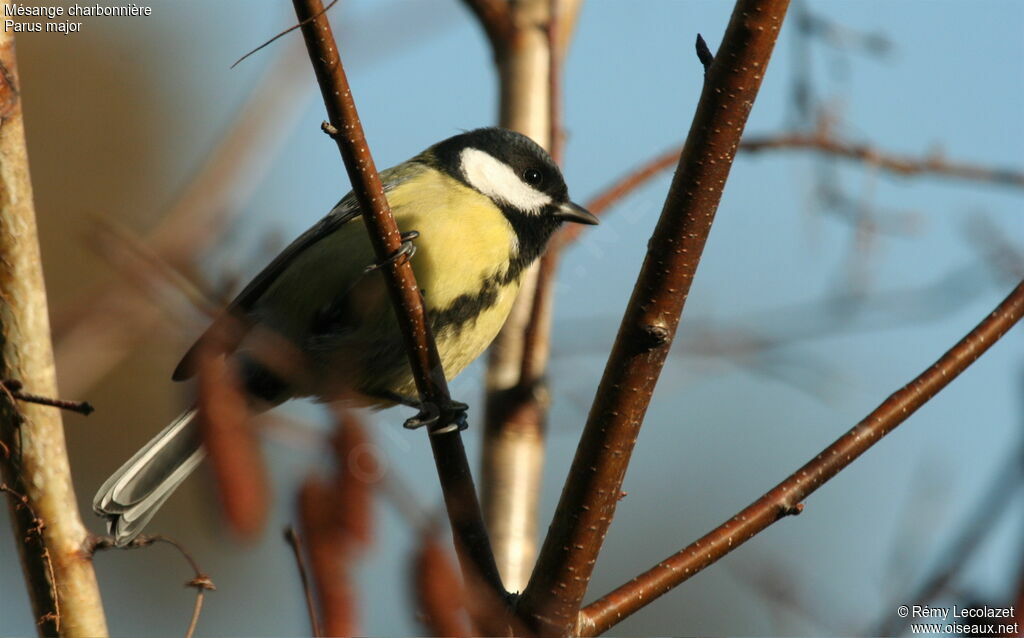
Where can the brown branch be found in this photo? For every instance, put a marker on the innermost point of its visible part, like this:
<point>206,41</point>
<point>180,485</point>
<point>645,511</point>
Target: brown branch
<point>295,541</point>
<point>449,454</point>
<point>786,498</point>
<point>34,462</point>
<point>552,599</point>
<point>200,581</point>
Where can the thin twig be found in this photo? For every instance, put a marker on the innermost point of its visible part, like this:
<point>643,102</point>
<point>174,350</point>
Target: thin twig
<point>295,541</point>
<point>786,498</point>
<point>14,387</point>
<point>449,453</point>
<point>552,599</point>
<point>196,610</point>
<point>283,33</point>
<point>200,581</point>
<point>820,142</point>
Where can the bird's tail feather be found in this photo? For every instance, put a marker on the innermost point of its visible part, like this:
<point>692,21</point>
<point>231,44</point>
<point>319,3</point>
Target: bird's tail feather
<point>133,494</point>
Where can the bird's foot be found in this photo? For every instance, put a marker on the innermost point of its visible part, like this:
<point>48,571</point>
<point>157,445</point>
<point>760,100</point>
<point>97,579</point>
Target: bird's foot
<point>430,415</point>
<point>407,250</point>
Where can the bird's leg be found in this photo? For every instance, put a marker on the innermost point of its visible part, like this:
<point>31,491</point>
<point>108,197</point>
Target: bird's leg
<point>408,249</point>
<point>429,413</point>
<point>454,413</point>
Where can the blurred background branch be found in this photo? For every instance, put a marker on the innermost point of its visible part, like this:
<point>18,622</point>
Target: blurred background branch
<point>559,581</point>
<point>521,34</point>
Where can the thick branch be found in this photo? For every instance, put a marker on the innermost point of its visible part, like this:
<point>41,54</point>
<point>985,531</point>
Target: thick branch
<point>33,455</point>
<point>449,453</point>
<point>552,598</point>
<point>786,497</point>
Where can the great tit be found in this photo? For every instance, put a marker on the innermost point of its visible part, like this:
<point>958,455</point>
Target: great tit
<point>318,321</point>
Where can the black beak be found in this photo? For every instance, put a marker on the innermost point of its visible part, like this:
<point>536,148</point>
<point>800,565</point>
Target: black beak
<point>571,212</point>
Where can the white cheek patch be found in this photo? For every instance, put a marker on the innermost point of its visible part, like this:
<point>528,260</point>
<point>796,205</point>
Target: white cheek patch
<point>497,180</point>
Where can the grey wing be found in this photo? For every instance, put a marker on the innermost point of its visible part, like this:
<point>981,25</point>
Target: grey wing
<point>230,327</point>
<point>228,330</point>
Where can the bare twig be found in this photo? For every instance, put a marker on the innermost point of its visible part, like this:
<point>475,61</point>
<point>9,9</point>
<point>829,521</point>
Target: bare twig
<point>786,498</point>
<point>15,388</point>
<point>295,541</point>
<point>449,453</point>
<point>282,34</point>
<point>200,581</point>
<point>552,599</point>
<point>35,462</point>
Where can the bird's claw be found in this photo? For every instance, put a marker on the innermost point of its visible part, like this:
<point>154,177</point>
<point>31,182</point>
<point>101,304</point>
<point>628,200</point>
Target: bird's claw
<point>408,249</point>
<point>430,415</point>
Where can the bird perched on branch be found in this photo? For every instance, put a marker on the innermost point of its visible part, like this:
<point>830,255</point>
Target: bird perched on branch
<point>478,209</point>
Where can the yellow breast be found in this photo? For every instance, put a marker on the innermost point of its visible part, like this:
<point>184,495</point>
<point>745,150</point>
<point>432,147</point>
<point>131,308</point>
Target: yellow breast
<point>461,264</point>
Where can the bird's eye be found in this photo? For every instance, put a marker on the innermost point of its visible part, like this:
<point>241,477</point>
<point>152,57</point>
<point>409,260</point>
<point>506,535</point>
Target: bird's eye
<point>533,177</point>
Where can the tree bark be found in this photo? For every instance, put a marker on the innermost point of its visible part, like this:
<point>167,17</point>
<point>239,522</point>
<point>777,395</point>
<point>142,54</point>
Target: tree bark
<point>59,576</point>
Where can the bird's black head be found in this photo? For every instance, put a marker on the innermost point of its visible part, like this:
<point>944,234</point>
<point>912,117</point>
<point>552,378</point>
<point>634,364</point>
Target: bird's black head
<point>518,176</point>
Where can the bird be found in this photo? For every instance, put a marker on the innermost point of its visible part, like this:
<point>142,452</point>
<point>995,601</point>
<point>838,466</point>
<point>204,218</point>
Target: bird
<point>477,209</point>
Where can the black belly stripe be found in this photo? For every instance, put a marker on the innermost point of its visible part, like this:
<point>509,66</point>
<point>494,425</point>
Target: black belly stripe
<point>467,307</point>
